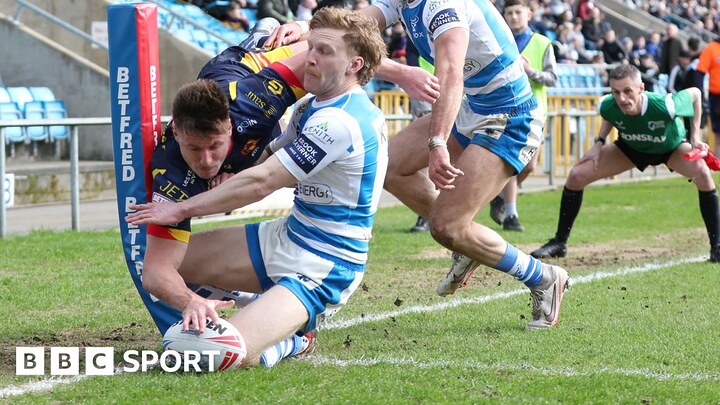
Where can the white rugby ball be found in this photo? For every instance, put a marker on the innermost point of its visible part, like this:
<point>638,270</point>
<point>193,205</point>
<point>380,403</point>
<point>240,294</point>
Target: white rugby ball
<point>223,338</point>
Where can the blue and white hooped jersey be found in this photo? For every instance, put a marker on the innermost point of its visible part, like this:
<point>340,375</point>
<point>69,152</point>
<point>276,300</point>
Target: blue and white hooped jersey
<point>338,151</point>
<point>494,77</point>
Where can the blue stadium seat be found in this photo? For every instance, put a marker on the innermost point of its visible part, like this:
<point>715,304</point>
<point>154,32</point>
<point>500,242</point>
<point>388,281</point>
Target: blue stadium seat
<point>55,110</point>
<point>42,93</point>
<point>35,110</point>
<point>4,95</point>
<point>10,111</point>
<point>20,96</point>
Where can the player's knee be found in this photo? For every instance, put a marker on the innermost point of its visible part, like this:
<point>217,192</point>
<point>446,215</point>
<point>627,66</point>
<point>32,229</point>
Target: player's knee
<point>443,232</point>
<point>577,178</point>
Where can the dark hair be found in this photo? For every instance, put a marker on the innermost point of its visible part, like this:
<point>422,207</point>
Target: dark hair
<point>623,71</point>
<point>510,3</point>
<point>362,37</point>
<point>693,44</point>
<point>200,108</point>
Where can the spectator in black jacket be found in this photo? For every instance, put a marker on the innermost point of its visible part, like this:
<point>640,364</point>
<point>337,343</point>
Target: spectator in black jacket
<point>670,50</point>
<point>612,49</point>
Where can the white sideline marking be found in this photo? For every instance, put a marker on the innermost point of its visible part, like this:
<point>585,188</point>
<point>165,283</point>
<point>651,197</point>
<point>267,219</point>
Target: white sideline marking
<point>48,383</point>
<point>550,371</point>
<point>42,385</point>
<point>454,302</point>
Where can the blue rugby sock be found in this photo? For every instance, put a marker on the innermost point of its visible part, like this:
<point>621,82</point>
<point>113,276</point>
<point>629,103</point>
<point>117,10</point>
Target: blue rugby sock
<point>523,267</point>
<point>285,348</point>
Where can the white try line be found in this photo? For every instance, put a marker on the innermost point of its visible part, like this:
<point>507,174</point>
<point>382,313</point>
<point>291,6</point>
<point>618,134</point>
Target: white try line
<point>455,302</point>
<point>549,371</point>
<point>49,383</point>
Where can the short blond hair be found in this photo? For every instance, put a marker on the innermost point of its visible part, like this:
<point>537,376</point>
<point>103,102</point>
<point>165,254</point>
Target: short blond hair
<point>362,37</point>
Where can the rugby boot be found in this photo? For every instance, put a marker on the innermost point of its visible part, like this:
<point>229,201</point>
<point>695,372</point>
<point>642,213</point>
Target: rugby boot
<point>497,209</point>
<point>512,223</point>
<point>553,248</point>
<point>715,254</point>
<point>309,341</point>
<point>260,32</point>
<point>547,297</point>
<point>420,226</point>
<point>461,270</point>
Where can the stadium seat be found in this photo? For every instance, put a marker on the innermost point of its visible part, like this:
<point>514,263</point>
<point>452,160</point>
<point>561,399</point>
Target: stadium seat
<point>56,110</point>
<point>4,95</point>
<point>42,93</point>
<point>35,110</point>
<point>20,96</point>
<point>9,111</point>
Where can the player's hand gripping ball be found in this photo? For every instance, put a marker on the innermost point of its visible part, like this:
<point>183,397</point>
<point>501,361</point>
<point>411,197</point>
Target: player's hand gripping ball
<point>222,338</point>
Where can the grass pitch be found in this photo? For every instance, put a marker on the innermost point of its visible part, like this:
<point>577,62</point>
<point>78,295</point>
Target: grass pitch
<point>639,326</point>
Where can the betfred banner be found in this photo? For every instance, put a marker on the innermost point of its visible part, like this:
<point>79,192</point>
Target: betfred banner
<point>136,127</point>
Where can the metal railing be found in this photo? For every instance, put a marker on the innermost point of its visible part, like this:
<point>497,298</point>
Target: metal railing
<point>22,5</point>
<point>74,124</point>
<point>568,134</point>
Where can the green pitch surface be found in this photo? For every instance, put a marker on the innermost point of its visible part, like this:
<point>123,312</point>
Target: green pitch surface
<point>639,325</point>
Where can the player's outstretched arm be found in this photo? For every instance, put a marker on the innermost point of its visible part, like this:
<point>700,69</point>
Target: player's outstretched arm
<point>161,279</point>
<point>417,82</point>
<point>244,188</point>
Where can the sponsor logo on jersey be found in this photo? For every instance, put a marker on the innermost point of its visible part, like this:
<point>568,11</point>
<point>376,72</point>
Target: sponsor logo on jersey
<point>642,138</point>
<point>249,147</point>
<point>246,123</point>
<point>315,193</point>
<point>267,108</point>
<point>305,153</point>
<point>471,67</point>
<point>446,17</point>
<point>320,132</point>
<point>190,177</point>
<point>172,192</point>
<point>653,125</point>
<point>435,4</point>
<point>274,86</point>
<point>619,124</point>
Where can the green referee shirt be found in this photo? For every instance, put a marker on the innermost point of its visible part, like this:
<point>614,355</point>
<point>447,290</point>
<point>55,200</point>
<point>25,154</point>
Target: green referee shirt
<point>658,128</point>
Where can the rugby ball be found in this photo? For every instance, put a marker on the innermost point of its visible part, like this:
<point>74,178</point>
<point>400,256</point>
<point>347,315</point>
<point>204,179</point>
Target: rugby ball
<point>222,338</point>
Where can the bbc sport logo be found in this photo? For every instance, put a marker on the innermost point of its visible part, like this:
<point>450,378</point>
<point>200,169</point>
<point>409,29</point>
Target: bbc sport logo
<point>65,361</point>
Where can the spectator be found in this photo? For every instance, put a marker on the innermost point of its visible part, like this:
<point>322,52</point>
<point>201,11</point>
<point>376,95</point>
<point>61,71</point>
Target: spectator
<point>234,17</point>
<point>653,46</point>
<point>693,47</point>
<point>585,8</point>
<point>397,42</point>
<point>277,9</point>
<point>638,50</point>
<point>648,72</point>
<point>594,29</point>
<point>670,50</point>
<point>305,9</point>
<point>681,76</point>
<point>612,49</point>
<point>564,52</point>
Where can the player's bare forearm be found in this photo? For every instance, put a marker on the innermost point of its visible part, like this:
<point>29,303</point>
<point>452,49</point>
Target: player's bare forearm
<point>448,69</point>
<point>160,275</point>
<point>417,82</point>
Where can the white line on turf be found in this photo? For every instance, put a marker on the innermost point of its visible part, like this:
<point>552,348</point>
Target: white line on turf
<point>35,386</point>
<point>454,302</point>
<point>49,383</point>
<point>551,371</point>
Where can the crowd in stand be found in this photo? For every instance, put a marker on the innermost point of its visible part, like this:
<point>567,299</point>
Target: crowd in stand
<point>578,29</point>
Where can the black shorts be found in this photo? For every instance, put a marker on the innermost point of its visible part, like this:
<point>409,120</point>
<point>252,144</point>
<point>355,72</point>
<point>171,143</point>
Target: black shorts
<point>642,160</point>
